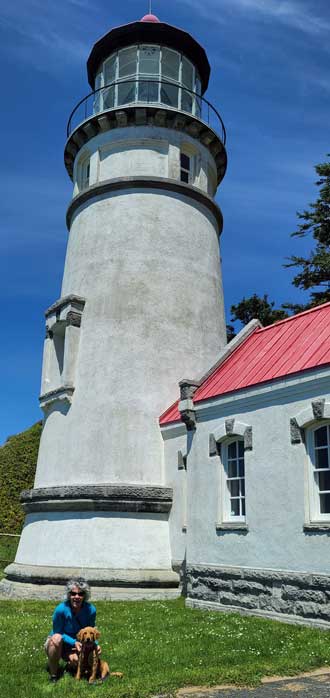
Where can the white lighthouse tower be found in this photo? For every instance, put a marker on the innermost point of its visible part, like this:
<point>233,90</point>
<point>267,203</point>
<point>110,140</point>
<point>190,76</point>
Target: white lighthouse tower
<point>141,306</point>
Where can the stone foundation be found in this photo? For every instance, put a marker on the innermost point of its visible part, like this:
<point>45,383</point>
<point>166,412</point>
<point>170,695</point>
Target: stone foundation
<point>288,596</point>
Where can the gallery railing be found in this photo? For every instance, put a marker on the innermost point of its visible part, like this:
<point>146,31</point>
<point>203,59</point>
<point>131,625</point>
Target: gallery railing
<point>141,92</point>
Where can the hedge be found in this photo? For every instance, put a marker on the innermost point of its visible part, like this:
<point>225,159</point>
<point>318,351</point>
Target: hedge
<point>18,460</point>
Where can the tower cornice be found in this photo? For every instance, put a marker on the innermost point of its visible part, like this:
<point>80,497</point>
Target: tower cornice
<point>146,183</point>
<point>148,115</point>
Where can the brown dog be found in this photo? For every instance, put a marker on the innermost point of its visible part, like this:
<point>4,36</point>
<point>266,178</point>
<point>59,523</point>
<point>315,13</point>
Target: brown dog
<point>89,662</point>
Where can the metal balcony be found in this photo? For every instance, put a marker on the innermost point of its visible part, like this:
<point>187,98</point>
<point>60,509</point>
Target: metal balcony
<point>141,92</point>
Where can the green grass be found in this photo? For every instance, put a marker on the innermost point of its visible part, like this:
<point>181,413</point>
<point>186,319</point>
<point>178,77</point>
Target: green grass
<point>160,646</point>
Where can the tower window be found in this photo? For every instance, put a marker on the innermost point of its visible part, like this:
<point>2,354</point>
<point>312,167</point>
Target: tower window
<point>233,480</point>
<point>185,168</point>
<point>83,173</point>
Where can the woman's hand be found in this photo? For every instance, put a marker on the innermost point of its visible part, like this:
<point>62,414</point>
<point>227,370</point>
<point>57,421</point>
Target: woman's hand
<point>77,646</point>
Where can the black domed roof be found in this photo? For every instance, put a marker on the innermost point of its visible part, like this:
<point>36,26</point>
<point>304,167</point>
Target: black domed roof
<point>149,32</point>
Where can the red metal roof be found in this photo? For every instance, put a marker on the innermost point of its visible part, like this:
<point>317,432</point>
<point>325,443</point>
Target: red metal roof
<point>299,343</point>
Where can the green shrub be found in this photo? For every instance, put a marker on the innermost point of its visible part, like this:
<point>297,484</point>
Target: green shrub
<point>18,459</point>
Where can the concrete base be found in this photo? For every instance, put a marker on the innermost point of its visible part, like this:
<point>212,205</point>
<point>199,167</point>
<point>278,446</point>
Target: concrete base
<point>40,575</point>
<point>49,592</point>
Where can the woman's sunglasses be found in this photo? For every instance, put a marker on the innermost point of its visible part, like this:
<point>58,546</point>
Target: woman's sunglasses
<point>76,593</point>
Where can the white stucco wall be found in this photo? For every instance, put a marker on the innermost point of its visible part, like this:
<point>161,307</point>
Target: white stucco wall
<point>147,264</point>
<point>95,540</point>
<point>142,151</point>
<point>175,440</point>
<point>276,483</point>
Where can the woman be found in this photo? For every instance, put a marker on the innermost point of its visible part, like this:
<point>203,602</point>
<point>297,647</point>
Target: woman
<point>68,618</point>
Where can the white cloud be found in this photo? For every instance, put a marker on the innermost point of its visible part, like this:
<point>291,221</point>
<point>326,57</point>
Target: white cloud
<point>289,12</point>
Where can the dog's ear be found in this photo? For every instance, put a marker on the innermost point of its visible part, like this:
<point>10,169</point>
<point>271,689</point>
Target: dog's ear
<point>80,635</point>
<point>97,633</point>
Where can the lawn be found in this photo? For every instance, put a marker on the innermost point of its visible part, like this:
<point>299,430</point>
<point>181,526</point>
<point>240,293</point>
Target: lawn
<point>160,646</point>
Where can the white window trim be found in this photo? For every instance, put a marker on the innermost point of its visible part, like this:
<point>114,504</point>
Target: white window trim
<point>229,430</point>
<point>191,152</point>
<point>227,516</point>
<point>314,515</point>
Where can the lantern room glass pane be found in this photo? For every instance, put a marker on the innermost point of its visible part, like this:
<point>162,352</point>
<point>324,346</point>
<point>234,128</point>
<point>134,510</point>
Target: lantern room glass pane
<point>97,105</point>
<point>170,95</point>
<point>110,70</point>
<point>170,64</point>
<point>108,97</point>
<point>126,92</point>
<point>186,101</point>
<point>149,59</point>
<point>127,62</point>
<point>198,102</point>
<point>148,91</point>
<point>187,74</point>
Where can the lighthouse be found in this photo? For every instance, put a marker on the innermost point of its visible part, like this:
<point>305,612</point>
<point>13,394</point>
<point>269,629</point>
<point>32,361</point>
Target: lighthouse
<point>140,308</point>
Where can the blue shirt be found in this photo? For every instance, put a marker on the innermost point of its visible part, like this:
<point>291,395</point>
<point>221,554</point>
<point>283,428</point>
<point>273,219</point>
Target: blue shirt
<point>68,624</point>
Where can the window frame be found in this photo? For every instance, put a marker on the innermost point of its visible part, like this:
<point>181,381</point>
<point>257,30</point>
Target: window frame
<point>186,170</point>
<point>315,515</point>
<point>83,174</point>
<point>227,517</point>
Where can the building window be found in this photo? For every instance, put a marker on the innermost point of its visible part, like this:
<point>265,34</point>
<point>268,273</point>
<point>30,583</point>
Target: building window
<point>233,489</point>
<point>83,173</point>
<point>185,168</point>
<point>169,79</point>
<point>319,472</point>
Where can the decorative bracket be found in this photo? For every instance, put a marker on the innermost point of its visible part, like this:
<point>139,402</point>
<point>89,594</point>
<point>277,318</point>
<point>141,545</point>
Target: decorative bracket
<point>186,405</point>
<point>316,411</point>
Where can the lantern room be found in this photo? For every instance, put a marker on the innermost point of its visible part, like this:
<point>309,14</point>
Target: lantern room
<point>148,62</point>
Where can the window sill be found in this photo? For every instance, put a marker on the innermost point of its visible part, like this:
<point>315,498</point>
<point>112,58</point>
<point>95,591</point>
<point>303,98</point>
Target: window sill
<point>317,526</point>
<point>231,526</point>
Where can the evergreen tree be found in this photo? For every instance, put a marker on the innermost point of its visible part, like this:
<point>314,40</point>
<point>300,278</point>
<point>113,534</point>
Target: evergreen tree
<point>256,307</point>
<point>315,269</point>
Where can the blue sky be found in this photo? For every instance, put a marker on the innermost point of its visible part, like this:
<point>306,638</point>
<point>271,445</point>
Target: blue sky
<point>270,81</point>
